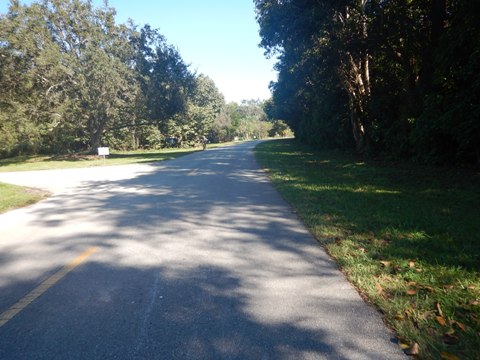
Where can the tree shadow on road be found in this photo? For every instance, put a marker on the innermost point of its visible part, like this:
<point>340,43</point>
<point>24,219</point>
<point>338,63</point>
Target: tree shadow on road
<point>129,313</point>
<point>200,259</point>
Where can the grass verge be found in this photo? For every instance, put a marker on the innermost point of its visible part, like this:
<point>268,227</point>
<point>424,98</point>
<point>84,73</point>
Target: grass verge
<point>407,237</point>
<point>30,163</point>
<point>13,196</point>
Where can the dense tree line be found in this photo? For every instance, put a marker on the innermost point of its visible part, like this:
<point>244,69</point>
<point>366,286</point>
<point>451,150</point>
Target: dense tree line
<point>398,79</point>
<point>71,79</point>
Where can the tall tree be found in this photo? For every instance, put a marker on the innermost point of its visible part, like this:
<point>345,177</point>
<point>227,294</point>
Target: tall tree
<point>204,104</point>
<point>72,79</point>
<point>96,52</point>
<point>69,63</point>
<point>31,76</point>
<point>379,69</point>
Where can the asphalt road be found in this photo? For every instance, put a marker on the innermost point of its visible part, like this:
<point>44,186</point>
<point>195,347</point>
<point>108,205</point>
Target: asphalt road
<point>194,258</point>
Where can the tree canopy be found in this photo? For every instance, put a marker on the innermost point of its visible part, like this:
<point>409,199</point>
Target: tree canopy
<point>392,78</point>
<point>72,79</point>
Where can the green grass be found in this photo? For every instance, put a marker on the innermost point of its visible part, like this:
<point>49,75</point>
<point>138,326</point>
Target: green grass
<point>12,196</point>
<point>29,163</point>
<point>407,237</point>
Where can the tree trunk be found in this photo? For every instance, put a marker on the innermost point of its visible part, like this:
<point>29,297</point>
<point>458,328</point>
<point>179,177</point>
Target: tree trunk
<point>95,141</point>
<point>355,75</point>
<point>357,127</point>
<point>96,134</point>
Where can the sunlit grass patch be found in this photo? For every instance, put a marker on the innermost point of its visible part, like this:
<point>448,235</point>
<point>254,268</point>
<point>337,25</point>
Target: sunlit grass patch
<point>29,163</point>
<point>407,237</point>
<point>12,196</point>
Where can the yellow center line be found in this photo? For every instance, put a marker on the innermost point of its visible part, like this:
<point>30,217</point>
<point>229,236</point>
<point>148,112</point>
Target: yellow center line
<point>7,315</point>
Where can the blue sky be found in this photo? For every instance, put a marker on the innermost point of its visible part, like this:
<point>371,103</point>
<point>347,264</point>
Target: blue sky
<point>217,37</point>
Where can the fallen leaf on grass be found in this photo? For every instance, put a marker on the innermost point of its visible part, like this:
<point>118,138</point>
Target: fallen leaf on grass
<point>410,310</point>
<point>362,249</point>
<point>379,289</point>
<point>385,263</point>
<point>411,292</point>
<point>447,356</point>
<point>450,339</point>
<point>428,288</point>
<point>397,269</point>
<point>474,318</point>
<point>460,326</point>
<point>384,242</point>
<point>474,302</point>
<point>439,309</point>
<point>411,264</point>
<point>441,320</point>
<point>413,350</point>
<point>427,314</point>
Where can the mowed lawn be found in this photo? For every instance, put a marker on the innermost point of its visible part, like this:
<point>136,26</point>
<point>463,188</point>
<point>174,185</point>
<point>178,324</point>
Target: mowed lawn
<point>38,162</point>
<point>408,237</point>
<point>13,196</point>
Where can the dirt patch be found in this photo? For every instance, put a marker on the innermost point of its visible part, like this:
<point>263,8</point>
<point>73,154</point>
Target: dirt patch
<point>38,192</point>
